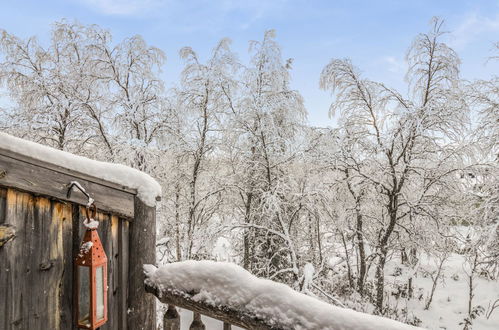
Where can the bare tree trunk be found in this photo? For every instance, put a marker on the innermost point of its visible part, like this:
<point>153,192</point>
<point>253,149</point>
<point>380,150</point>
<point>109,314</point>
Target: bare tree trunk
<point>380,281</point>
<point>362,254</point>
<point>349,270</point>
<point>434,285</point>
<point>177,223</point>
<point>246,240</point>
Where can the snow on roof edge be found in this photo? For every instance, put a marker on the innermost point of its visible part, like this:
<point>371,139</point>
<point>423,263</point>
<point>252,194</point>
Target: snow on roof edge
<point>147,188</point>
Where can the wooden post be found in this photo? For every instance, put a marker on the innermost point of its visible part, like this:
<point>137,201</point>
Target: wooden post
<point>197,323</point>
<point>227,326</point>
<point>141,314</point>
<point>171,319</point>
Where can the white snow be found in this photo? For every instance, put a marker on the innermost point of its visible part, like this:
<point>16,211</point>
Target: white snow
<point>84,248</point>
<point>308,274</point>
<point>91,223</point>
<point>450,301</point>
<point>147,188</point>
<point>226,284</point>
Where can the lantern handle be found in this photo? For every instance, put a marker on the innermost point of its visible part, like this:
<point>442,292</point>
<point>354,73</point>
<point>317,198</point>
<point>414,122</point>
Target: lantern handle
<point>93,208</point>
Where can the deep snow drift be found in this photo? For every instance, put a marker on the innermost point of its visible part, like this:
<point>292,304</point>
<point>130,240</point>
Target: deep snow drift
<point>226,284</point>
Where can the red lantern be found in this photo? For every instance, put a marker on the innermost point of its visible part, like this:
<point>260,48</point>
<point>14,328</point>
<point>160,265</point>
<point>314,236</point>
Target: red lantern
<point>91,274</point>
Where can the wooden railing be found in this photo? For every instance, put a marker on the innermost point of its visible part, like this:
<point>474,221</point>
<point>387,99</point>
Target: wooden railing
<point>229,316</point>
<point>226,292</point>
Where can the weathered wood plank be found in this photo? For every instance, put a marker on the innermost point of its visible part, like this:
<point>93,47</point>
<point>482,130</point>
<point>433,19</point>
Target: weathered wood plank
<point>123,248</point>
<point>61,274</point>
<point>11,256</point>
<point>43,181</point>
<point>197,323</point>
<point>113,273</point>
<point>32,266</point>
<point>3,199</point>
<point>66,289</point>
<point>108,225</point>
<point>142,250</point>
<point>60,169</point>
<point>171,319</point>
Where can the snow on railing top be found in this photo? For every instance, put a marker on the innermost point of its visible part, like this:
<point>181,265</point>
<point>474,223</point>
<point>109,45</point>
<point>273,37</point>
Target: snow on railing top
<point>147,188</point>
<point>231,288</point>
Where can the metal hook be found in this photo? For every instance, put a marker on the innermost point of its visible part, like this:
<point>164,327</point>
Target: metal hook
<point>80,188</point>
<point>90,204</point>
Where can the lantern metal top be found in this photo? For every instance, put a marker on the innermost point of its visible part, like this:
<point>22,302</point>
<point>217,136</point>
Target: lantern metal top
<point>91,250</point>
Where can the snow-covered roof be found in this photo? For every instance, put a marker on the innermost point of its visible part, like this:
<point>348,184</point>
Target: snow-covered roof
<point>147,188</point>
<point>226,284</point>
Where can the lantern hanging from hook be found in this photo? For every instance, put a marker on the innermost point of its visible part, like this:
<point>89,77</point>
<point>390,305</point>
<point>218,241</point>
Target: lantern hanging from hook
<point>91,274</point>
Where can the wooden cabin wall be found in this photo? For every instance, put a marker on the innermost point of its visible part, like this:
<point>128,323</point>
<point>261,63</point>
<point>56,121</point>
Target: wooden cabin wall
<point>36,267</point>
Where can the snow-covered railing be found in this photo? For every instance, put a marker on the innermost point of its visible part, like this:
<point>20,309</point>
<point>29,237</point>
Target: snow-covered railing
<point>227,292</point>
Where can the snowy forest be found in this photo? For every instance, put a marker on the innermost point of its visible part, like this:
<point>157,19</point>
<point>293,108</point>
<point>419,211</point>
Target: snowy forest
<point>394,211</point>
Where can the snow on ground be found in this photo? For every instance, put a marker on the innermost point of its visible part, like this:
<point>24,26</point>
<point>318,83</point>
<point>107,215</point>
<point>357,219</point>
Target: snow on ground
<point>226,284</point>
<point>147,188</point>
<point>450,301</point>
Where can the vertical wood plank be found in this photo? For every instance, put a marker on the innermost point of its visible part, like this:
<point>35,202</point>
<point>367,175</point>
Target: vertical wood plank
<point>3,200</point>
<point>32,265</point>
<point>123,248</point>
<point>77,232</point>
<point>141,314</point>
<point>197,323</point>
<point>227,326</point>
<point>62,218</point>
<point>104,231</point>
<point>10,304</point>
<point>113,273</point>
<point>171,319</point>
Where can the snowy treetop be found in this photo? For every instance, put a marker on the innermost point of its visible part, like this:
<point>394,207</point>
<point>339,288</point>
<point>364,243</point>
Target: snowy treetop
<point>226,284</point>
<point>147,188</point>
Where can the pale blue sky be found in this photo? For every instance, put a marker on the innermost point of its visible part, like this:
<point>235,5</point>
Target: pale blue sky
<point>374,34</point>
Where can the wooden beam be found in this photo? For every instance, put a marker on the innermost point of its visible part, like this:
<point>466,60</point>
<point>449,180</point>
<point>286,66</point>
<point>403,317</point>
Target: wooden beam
<point>225,314</point>
<point>60,169</point>
<point>141,314</point>
<point>42,180</point>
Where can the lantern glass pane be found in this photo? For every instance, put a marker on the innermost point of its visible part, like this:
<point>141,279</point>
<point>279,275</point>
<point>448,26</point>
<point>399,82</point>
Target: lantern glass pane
<point>99,290</point>
<point>84,296</point>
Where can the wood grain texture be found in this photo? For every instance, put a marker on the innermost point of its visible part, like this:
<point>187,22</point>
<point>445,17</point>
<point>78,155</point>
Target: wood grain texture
<point>123,263</point>
<point>39,180</point>
<point>60,169</point>
<point>171,319</point>
<point>32,266</point>
<point>142,250</point>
